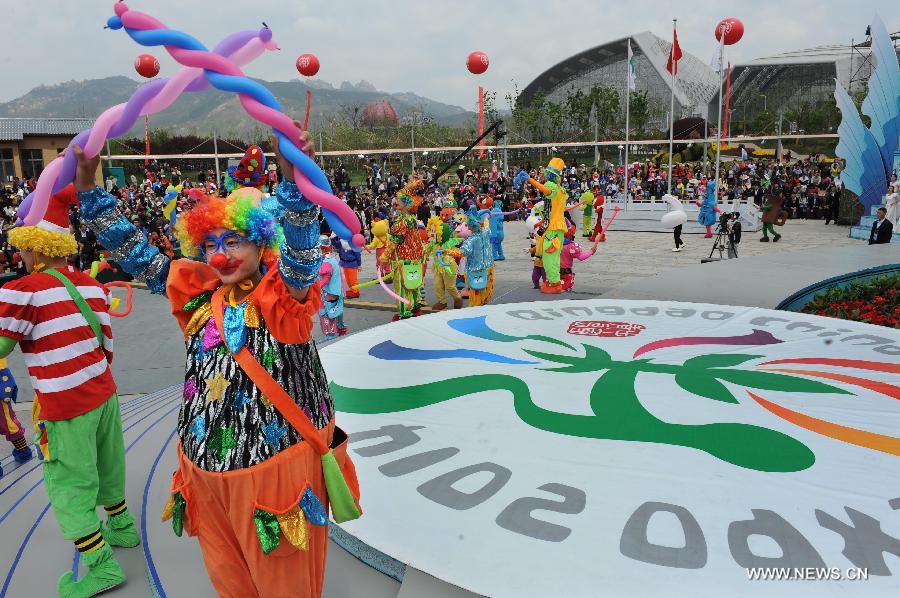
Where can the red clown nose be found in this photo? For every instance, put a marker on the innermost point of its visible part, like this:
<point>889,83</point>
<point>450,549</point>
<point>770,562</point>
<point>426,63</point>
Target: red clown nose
<point>218,261</point>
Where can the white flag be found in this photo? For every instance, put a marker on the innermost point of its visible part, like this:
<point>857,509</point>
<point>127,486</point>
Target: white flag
<point>632,69</point>
<point>715,62</point>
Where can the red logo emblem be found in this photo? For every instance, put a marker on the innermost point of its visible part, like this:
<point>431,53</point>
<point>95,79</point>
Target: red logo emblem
<point>604,328</point>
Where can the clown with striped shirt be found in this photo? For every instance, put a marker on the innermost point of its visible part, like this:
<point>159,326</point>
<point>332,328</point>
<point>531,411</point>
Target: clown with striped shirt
<point>59,317</point>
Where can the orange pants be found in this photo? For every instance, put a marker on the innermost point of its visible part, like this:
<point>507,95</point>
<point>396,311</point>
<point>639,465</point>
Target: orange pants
<point>219,512</point>
<point>351,275</point>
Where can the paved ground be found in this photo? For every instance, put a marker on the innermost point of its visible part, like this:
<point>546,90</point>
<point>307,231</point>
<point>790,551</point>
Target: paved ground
<point>150,355</point>
<point>150,352</point>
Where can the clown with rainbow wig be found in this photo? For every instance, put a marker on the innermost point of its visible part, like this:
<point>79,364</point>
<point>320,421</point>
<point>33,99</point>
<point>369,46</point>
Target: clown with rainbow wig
<point>256,469</point>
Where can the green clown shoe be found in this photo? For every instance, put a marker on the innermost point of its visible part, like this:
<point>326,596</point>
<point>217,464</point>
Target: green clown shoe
<point>104,573</point>
<point>120,531</point>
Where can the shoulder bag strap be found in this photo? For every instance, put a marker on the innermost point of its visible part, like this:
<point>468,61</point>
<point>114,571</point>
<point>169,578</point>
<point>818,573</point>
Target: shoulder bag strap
<point>267,384</point>
<point>82,304</point>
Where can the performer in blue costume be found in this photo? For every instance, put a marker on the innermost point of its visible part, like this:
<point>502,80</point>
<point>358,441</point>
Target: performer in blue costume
<point>331,315</point>
<point>497,230</point>
<point>708,209</point>
<point>479,259</point>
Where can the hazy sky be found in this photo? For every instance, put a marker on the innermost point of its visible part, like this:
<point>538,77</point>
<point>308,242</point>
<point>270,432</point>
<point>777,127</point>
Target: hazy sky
<point>409,45</point>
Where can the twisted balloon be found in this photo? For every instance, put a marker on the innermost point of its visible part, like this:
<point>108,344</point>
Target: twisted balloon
<point>242,47</point>
<point>225,74</point>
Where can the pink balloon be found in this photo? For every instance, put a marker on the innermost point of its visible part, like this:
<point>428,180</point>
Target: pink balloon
<point>388,290</point>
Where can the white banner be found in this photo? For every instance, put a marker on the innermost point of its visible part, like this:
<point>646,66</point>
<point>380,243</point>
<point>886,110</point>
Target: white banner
<point>615,448</point>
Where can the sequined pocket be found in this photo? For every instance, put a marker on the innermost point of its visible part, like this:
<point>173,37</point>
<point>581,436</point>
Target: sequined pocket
<point>285,529</point>
<point>177,507</point>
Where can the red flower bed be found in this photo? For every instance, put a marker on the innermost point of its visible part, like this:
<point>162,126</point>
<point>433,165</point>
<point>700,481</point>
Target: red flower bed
<point>875,302</point>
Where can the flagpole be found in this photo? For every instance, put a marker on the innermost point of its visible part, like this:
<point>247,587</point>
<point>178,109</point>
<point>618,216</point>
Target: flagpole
<point>627,107</point>
<point>672,107</point>
<point>719,126</point>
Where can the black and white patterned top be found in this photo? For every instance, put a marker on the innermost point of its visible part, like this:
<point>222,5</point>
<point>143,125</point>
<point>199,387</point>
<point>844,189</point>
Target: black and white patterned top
<point>225,422</point>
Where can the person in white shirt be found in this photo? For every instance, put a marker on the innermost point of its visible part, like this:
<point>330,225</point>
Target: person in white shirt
<point>892,204</point>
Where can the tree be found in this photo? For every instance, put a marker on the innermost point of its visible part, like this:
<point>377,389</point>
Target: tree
<point>639,111</point>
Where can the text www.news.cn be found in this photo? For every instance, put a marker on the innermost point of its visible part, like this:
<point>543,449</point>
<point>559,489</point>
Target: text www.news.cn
<point>806,574</point>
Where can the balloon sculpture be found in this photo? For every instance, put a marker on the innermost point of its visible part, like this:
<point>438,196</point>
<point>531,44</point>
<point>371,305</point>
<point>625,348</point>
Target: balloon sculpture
<point>146,65</point>
<point>202,69</point>
<point>733,30</point>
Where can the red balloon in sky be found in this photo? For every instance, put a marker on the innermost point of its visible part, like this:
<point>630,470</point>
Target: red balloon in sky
<point>146,65</point>
<point>477,63</point>
<point>307,64</point>
<point>734,30</point>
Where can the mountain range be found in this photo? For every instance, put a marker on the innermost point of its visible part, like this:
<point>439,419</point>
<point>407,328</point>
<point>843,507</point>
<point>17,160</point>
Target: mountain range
<point>201,113</point>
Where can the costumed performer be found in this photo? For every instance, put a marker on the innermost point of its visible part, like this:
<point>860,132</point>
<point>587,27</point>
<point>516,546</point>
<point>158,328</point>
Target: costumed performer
<point>257,419</point>
<point>479,259</point>
<point>675,218</point>
<point>572,251</point>
<point>442,248</point>
<point>497,233</point>
<point>599,205</point>
<point>379,230</point>
<point>76,408</point>
<point>350,261</point>
<point>773,215</point>
<point>535,225</point>
<point>587,211</point>
<point>10,426</point>
<point>406,251</point>
<point>556,195</point>
<point>708,209</point>
<point>331,315</point>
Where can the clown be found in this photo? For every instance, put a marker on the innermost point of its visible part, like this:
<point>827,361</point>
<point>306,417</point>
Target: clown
<point>449,209</point>
<point>331,315</point>
<point>60,318</point>
<point>572,251</point>
<point>442,246</point>
<point>350,261</point>
<point>379,242</point>
<point>599,205</point>
<point>10,426</point>
<point>479,258</point>
<point>406,251</point>
<point>497,217</point>
<point>538,228</point>
<point>556,196</point>
<point>255,472</point>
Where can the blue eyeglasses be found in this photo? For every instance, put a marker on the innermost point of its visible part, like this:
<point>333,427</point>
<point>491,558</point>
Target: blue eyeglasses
<point>228,242</point>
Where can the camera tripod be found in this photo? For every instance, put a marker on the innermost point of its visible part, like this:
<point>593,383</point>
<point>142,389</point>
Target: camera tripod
<point>726,241</point>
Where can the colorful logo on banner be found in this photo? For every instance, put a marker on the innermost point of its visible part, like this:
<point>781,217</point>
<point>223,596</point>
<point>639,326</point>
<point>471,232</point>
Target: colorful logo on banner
<point>618,411</point>
<point>740,418</point>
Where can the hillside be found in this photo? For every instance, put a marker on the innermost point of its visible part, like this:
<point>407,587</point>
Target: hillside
<point>200,113</point>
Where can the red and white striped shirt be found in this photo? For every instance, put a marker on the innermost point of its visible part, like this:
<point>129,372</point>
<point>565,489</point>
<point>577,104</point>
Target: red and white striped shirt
<point>68,368</point>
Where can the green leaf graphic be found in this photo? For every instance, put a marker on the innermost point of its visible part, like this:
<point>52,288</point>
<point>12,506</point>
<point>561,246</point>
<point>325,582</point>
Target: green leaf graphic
<point>704,386</point>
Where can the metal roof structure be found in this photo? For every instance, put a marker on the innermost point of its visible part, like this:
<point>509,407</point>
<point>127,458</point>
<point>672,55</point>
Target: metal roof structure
<point>15,129</point>
<point>695,86</point>
<point>787,80</point>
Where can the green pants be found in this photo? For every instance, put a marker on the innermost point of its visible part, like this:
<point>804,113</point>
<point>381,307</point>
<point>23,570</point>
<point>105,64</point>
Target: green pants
<point>85,467</point>
<point>551,260</point>
<point>768,227</point>
<point>586,224</point>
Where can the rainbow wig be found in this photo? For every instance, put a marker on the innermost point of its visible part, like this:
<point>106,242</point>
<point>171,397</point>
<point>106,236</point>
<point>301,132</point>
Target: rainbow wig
<point>240,212</point>
<point>409,195</point>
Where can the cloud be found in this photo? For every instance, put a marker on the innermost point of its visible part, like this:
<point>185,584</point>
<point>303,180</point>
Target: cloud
<point>409,45</point>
